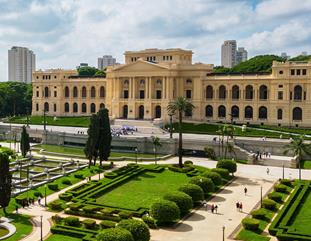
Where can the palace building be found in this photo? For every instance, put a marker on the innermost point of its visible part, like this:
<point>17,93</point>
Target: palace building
<point>150,79</point>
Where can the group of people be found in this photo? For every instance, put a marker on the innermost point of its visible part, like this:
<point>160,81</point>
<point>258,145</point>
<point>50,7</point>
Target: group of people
<point>214,207</point>
<point>125,130</point>
<point>260,155</point>
<point>239,206</point>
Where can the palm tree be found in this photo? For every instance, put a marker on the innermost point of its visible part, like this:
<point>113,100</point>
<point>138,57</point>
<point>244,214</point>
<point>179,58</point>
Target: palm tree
<point>156,143</point>
<point>180,106</point>
<point>298,147</point>
<point>229,132</point>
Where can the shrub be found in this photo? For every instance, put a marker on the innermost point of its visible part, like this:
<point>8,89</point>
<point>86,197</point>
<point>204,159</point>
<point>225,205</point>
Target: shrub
<point>138,229</point>
<point>53,186</point>
<point>188,162</point>
<point>114,234</point>
<point>250,224</point>
<point>89,223</point>
<point>210,153</point>
<point>134,165</point>
<point>72,221</point>
<point>57,219</point>
<point>37,194</point>
<point>224,173</point>
<point>111,175</point>
<point>183,201</point>
<point>20,200</point>
<point>286,182</point>
<point>275,196</point>
<point>56,205</point>
<point>125,215</point>
<point>216,178</point>
<point>75,206</point>
<point>107,224</point>
<point>65,196</point>
<point>149,221</point>
<point>205,183</point>
<point>165,211</point>
<point>176,168</point>
<point>280,188</point>
<point>259,214</point>
<point>106,211</point>
<point>90,209</point>
<point>78,175</point>
<point>269,204</point>
<point>194,191</point>
<point>227,164</point>
<point>66,181</point>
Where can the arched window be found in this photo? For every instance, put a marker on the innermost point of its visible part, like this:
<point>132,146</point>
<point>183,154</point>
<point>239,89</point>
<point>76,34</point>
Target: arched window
<point>208,111</point>
<point>141,112</point>
<point>298,92</point>
<point>209,92</point>
<point>102,92</point>
<point>83,92</point>
<point>222,92</point>
<point>126,82</point>
<point>142,82</point>
<point>83,108</point>
<point>66,92</point>
<point>235,92</point>
<point>46,107</point>
<point>37,107</point>
<point>158,111</point>
<point>263,112</point>
<point>125,111</point>
<point>101,106</point>
<point>297,114</point>
<point>248,114</point>
<point>263,92</point>
<point>249,93</point>
<point>66,107</point>
<point>75,92</point>
<point>235,111</point>
<point>75,107</point>
<point>93,108</point>
<point>93,92</point>
<point>46,92</point>
<point>55,107</point>
<point>188,112</point>
<point>221,111</point>
<point>280,114</point>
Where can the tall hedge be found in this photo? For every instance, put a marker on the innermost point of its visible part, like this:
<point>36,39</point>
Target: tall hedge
<point>227,164</point>
<point>216,178</point>
<point>165,211</point>
<point>114,234</point>
<point>183,201</point>
<point>194,191</point>
<point>205,183</point>
<point>138,229</point>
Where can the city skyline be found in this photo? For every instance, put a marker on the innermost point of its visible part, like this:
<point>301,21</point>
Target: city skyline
<point>77,31</point>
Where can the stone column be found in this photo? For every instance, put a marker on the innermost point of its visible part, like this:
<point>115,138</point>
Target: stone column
<point>150,88</point>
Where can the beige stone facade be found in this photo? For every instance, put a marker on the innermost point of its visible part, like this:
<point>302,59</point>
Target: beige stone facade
<point>150,79</point>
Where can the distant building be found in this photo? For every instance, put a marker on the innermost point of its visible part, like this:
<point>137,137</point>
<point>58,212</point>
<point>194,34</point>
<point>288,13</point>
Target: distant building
<point>285,56</point>
<point>83,65</point>
<point>241,55</point>
<point>304,53</point>
<point>228,53</point>
<point>21,64</point>
<point>105,61</point>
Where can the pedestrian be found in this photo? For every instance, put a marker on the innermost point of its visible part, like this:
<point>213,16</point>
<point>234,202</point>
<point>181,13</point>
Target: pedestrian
<point>216,208</point>
<point>212,208</point>
<point>237,206</point>
<point>245,191</point>
<point>260,156</point>
<point>16,209</point>
<point>268,171</point>
<point>39,201</point>
<point>241,207</point>
<point>205,205</point>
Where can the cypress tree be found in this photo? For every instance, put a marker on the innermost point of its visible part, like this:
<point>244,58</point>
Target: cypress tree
<point>90,149</point>
<point>25,146</point>
<point>5,181</point>
<point>104,142</point>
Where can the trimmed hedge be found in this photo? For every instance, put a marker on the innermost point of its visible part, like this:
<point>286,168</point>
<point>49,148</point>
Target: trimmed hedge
<point>281,188</point>
<point>165,211</point>
<point>138,229</point>
<point>56,205</point>
<point>114,234</point>
<point>259,214</point>
<point>125,215</point>
<point>75,206</point>
<point>107,224</point>
<point>227,164</point>
<point>110,175</point>
<point>176,168</point>
<point>65,196</point>
<point>89,223</point>
<point>205,183</point>
<point>188,162</point>
<point>90,209</point>
<point>224,173</point>
<point>275,196</point>
<point>286,182</point>
<point>269,204</point>
<point>250,224</point>
<point>78,175</point>
<point>183,201</point>
<point>150,221</point>
<point>216,177</point>
<point>37,194</point>
<point>72,221</point>
<point>66,181</point>
<point>57,219</point>
<point>53,186</point>
<point>194,191</point>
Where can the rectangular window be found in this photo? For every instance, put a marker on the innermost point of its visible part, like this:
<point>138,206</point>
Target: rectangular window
<point>55,93</point>
<point>304,72</point>
<point>54,107</point>
<point>280,86</point>
<point>292,72</point>
<point>159,94</point>
<point>142,94</point>
<point>298,71</point>
<point>305,95</point>
<point>125,94</point>
<point>188,94</point>
<point>291,95</point>
<point>280,95</point>
<point>37,107</point>
<point>37,93</point>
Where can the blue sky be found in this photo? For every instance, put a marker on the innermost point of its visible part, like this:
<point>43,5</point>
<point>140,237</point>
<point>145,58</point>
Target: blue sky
<point>63,33</point>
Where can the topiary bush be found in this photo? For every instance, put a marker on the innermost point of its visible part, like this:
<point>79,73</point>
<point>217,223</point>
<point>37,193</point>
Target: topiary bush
<point>224,173</point>
<point>194,191</point>
<point>66,181</point>
<point>205,183</point>
<point>65,196</point>
<point>125,215</point>
<point>216,178</point>
<point>37,194</point>
<point>183,201</point>
<point>281,188</point>
<point>89,223</point>
<point>259,214</point>
<point>188,162</point>
<point>72,221</point>
<point>78,175</point>
<point>57,219</point>
<point>75,206</point>
<point>250,224</point>
<point>53,186</point>
<point>90,209</point>
<point>269,204</point>
<point>114,234</point>
<point>138,229</point>
<point>165,211</point>
<point>150,221</point>
<point>286,182</point>
<point>56,205</point>
<point>227,164</point>
<point>275,196</point>
<point>111,175</point>
<point>107,224</point>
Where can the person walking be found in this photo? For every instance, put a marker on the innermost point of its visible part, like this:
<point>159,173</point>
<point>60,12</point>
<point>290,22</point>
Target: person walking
<point>216,208</point>
<point>245,191</point>
<point>241,207</point>
<point>39,201</point>
<point>212,208</point>
<point>268,171</point>
<point>237,206</point>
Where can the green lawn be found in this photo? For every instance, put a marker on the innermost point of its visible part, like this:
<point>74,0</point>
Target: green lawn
<point>297,130</point>
<point>23,227</point>
<point>143,190</point>
<point>61,121</point>
<point>306,164</point>
<point>59,237</point>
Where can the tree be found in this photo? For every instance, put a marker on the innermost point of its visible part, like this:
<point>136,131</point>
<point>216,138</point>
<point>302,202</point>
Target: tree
<point>229,133</point>
<point>93,134</point>
<point>25,146</point>
<point>299,148</point>
<point>156,143</point>
<point>180,106</point>
<point>210,153</point>
<point>104,141</point>
<point>5,181</point>
<point>101,73</point>
<point>87,71</point>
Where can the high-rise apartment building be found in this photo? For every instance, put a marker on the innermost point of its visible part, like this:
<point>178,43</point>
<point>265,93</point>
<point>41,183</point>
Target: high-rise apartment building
<point>228,53</point>
<point>22,62</point>
<point>106,60</point>
<point>284,55</point>
<point>241,55</point>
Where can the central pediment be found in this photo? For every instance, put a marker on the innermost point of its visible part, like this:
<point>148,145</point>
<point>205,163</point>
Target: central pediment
<point>141,66</point>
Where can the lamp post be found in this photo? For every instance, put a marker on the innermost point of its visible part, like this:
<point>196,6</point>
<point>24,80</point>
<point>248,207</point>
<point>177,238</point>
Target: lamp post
<point>27,115</point>
<point>155,155</point>
<point>41,225</point>
<point>261,196</point>
<point>223,233</point>
<point>136,152</point>
<point>283,171</point>
<point>299,166</point>
<point>45,203</point>
<point>171,126</point>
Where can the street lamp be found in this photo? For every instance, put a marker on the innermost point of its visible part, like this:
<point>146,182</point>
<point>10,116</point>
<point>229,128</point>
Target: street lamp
<point>299,166</point>
<point>261,196</point>
<point>171,126</point>
<point>155,155</point>
<point>223,233</point>
<point>45,203</point>
<point>283,171</point>
<point>136,152</point>
<point>41,228</point>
